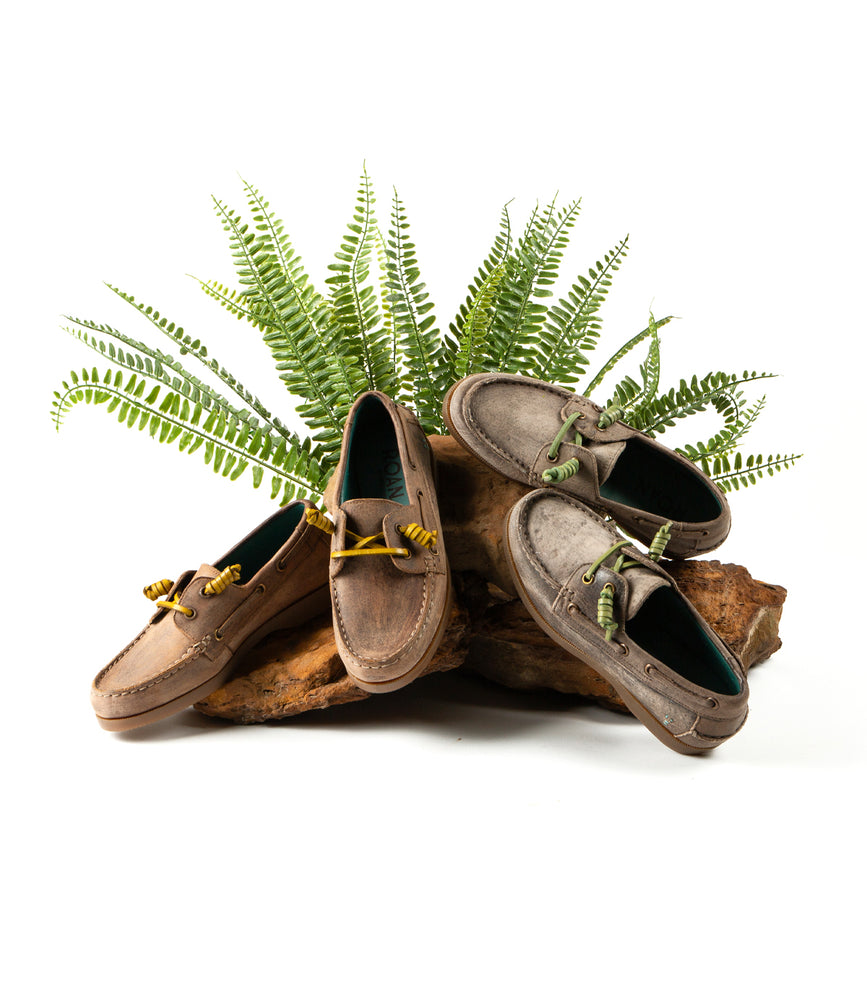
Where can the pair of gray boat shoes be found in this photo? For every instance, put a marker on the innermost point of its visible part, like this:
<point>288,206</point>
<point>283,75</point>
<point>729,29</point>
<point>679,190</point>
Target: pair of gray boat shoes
<point>590,589</point>
<point>386,576</point>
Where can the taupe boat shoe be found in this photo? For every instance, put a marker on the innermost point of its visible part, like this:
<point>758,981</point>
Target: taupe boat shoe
<point>390,584</point>
<point>544,435</point>
<point>277,577</point>
<point>620,612</point>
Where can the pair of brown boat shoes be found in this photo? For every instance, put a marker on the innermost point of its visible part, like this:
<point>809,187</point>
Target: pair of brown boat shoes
<point>380,565</point>
<point>387,577</point>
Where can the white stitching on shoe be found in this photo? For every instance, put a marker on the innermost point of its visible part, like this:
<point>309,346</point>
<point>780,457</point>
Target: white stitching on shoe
<point>376,663</point>
<point>182,661</point>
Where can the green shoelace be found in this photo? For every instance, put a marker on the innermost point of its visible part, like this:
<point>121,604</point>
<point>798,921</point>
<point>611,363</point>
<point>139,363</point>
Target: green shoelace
<point>605,604</point>
<point>559,473</point>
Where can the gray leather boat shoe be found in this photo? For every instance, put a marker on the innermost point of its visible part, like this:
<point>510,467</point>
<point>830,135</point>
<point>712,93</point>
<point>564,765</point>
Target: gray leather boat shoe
<point>620,612</point>
<point>276,578</point>
<point>390,582</point>
<point>544,435</point>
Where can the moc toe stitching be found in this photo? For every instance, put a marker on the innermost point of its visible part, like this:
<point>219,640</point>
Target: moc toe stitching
<point>378,663</point>
<point>184,660</point>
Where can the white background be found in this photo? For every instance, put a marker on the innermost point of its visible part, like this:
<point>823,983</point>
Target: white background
<point>452,839</point>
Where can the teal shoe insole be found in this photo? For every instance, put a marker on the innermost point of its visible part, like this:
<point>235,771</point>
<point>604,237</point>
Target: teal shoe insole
<point>373,466</point>
<point>644,478</point>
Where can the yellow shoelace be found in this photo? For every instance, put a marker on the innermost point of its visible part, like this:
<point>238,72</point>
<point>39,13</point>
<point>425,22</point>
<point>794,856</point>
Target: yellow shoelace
<point>215,586</point>
<point>364,547</point>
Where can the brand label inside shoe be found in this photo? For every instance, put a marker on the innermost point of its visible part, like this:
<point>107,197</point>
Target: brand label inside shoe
<point>395,485</point>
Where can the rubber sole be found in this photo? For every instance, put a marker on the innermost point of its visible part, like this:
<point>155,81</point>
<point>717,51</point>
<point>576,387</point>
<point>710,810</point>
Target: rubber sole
<point>384,687</point>
<point>301,611</point>
<point>653,725</point>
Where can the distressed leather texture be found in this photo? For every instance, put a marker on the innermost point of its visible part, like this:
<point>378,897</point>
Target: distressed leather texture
<point>174,656</point>
<point>694,696</point>
<point>510,421</point>
<point>389,611</point>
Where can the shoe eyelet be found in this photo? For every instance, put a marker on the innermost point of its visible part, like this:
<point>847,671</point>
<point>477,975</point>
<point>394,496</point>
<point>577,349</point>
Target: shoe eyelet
<point>191,615</point>
<point>712,703</point>
<point>218,634</point>
<point>571,608</point>
<point>260,589</point>
<point>203,593</point>
<point>623,649</point>
<point>649,669</point>
<point>588,580</point>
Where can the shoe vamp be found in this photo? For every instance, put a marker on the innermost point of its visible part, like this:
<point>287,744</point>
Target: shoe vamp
<point>516,421</point>
<point>379,610</point>
<point>160,649</point>
<point>562,539</point>
<point>566,539</point>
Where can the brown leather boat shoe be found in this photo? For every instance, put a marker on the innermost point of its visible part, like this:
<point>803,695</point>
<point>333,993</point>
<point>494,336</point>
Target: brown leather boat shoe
<point>544,435</point>
<point>276,578</point>
<point>390,583</point>
<point>621,613</point>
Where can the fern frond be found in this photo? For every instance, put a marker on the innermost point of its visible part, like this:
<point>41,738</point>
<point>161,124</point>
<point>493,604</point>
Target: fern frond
<point>628,396</point>
<point>724,441</point>
<point>161,367</point>
<point>316,309</point>
<point>414,324</point>
<point>193,347</point>
<point>300,339</point>
<point>239,304</point>
<point>717,389</point>
<point>573,327</point>
<point>230,443</point>
<point>354,302</point>
<point>597,379</point>
<point>737,472</point>
<point>650,370</point>
<point>387,317</point>
<point>467,344</point>
<point>530,271</point>
<point>625,393</point>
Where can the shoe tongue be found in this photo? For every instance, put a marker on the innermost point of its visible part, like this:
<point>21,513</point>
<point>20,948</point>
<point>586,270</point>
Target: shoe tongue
<point>606,455</point>
<point>209,572</point>
<point>642,583</point>
<point>596,538</point>
<point>365,517</point>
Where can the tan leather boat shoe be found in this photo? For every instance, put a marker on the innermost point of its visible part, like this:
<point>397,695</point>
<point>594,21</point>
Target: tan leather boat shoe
<point>621,613</point>
<point>276,578</point>
<point>544,435</point>
<point>390,583</point>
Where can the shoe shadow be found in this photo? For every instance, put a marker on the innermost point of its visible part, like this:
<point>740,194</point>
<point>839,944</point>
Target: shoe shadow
<point>457,704</point>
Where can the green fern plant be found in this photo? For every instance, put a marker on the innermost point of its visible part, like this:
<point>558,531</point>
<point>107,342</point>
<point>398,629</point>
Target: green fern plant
<point>374,328</point>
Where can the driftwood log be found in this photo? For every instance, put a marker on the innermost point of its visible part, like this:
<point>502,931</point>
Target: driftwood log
<point>490,632</point>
